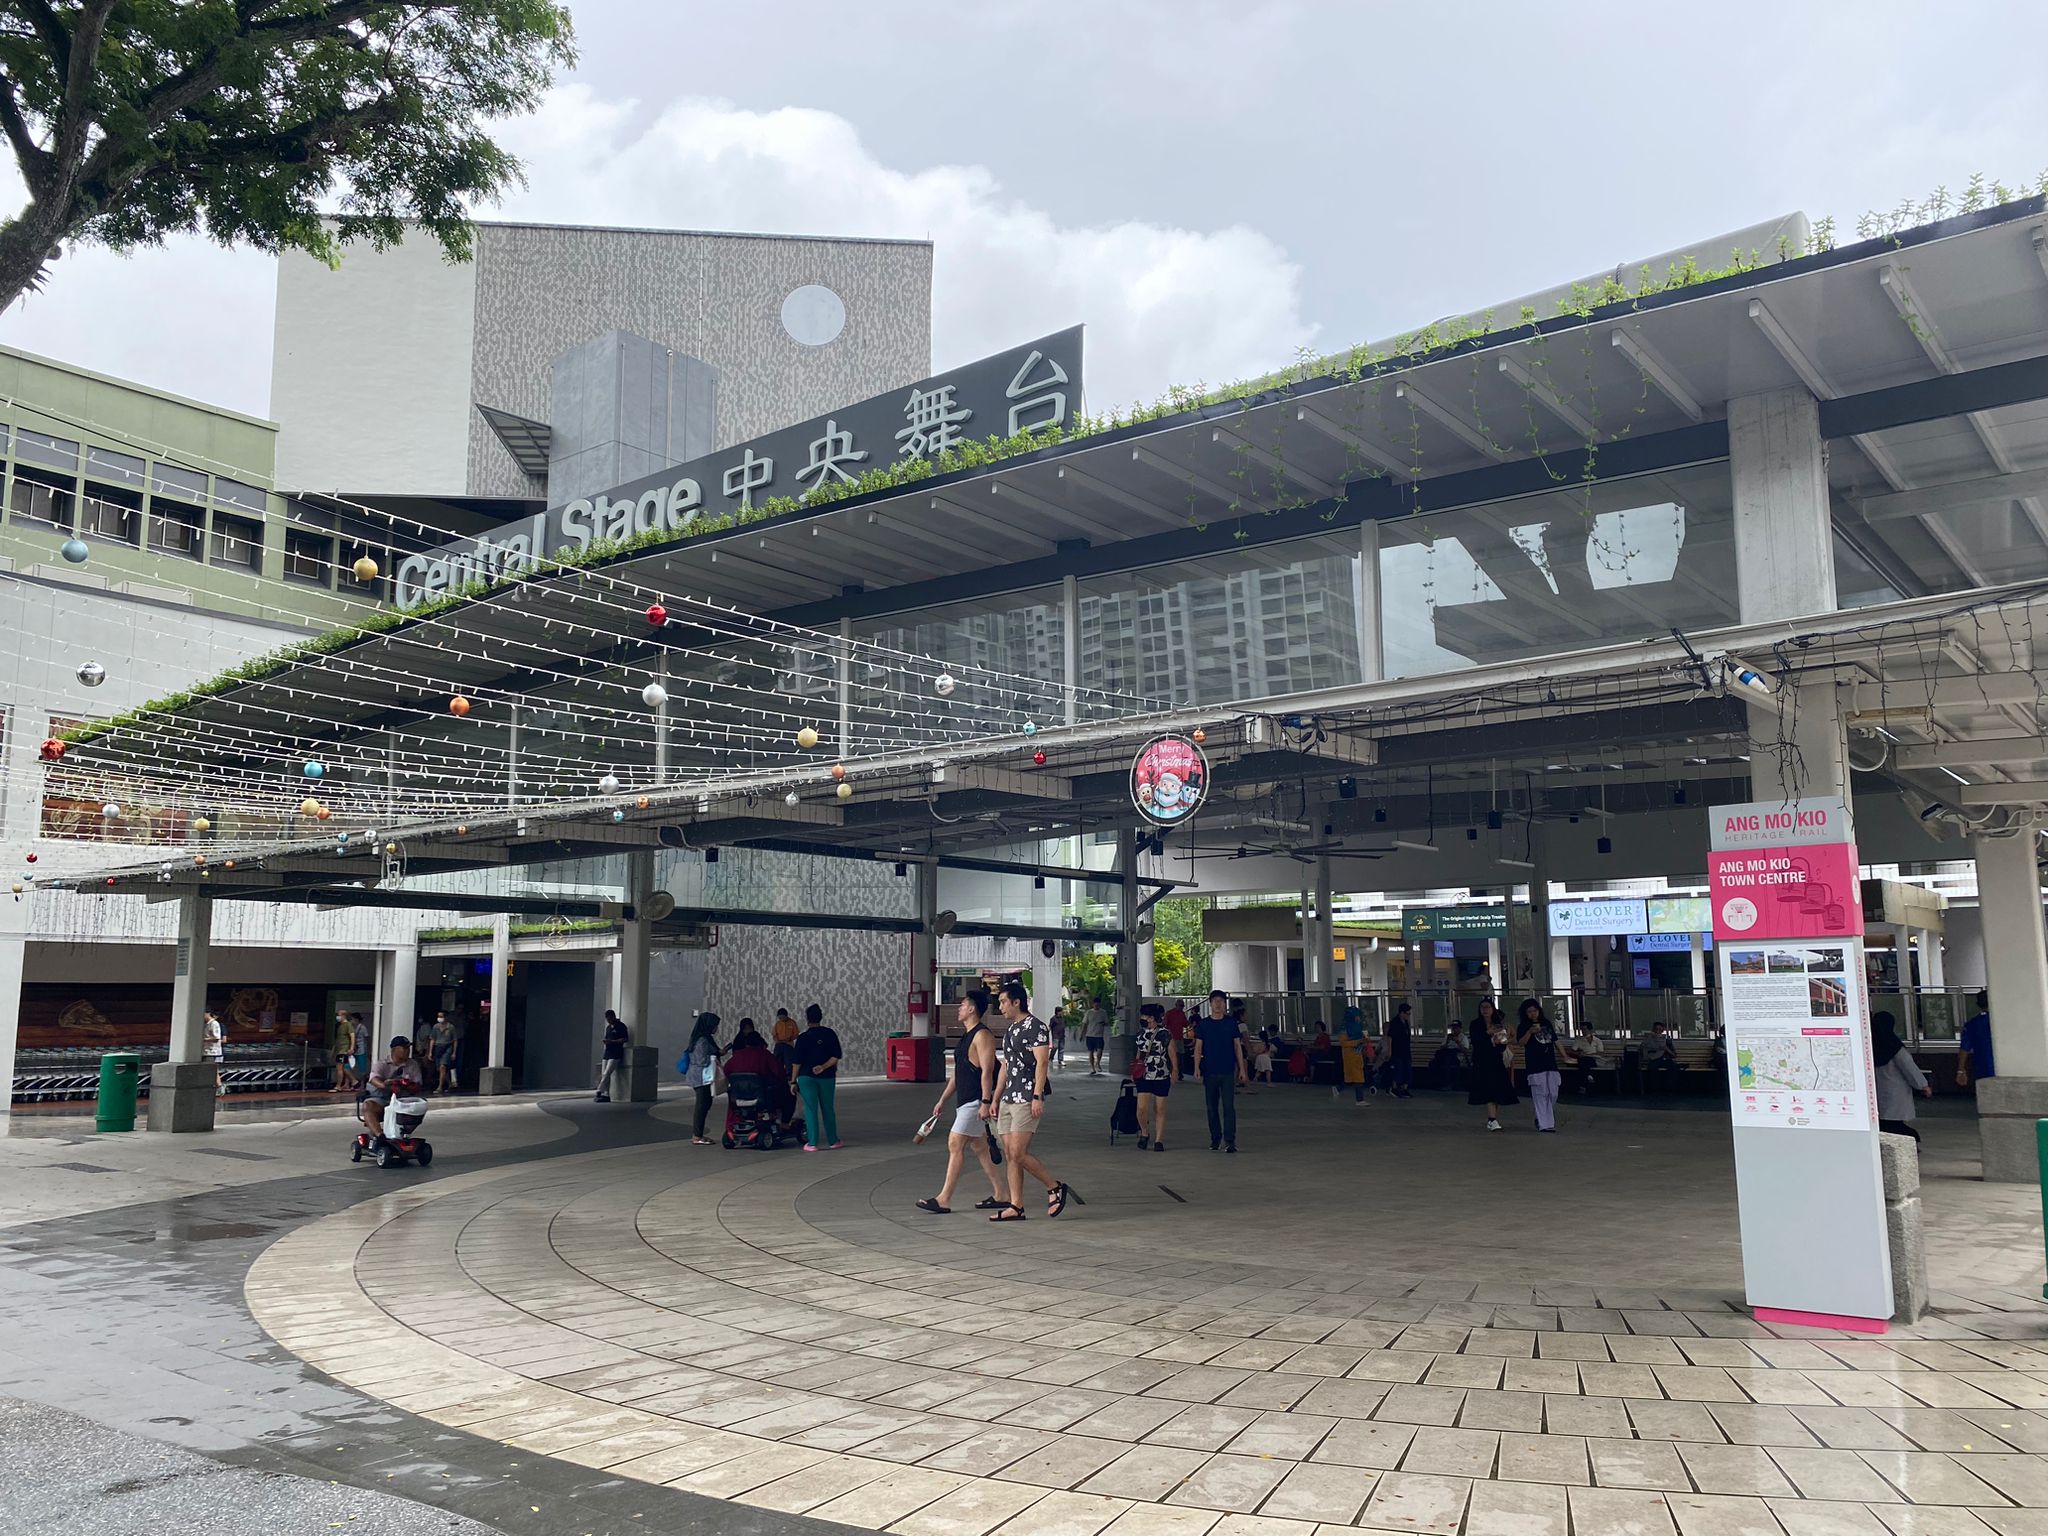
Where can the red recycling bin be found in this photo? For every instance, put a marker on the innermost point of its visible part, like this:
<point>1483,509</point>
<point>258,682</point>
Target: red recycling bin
<point>910,1059</point>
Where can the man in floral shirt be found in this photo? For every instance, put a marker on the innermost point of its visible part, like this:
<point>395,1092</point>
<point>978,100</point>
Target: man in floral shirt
<point>1021,1089</point>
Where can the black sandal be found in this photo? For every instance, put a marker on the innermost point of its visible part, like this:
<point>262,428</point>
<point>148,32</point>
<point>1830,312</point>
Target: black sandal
<point>992,1204</point>
<point>933,1206</point>
<point>1009,1213</point>
<point>1057,1197</point>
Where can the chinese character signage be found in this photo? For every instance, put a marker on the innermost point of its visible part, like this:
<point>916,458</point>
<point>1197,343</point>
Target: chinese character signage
<point>1169,778</point>
<point>1033,386</point>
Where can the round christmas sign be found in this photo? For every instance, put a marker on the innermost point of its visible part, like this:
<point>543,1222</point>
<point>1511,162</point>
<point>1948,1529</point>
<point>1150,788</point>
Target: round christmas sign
<point>1169,778</point>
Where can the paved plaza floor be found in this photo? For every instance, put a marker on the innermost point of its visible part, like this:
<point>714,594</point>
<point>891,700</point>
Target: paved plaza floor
<point>1373,1316</point>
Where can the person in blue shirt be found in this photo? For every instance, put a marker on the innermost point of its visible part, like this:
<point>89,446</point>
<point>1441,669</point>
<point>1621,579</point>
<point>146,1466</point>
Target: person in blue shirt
<point>1219,1062</point>
<point>1973,1059</point>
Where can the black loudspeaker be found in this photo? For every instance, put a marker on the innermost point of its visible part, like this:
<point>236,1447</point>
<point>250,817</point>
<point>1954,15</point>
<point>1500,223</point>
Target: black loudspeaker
<point>1347,789</point>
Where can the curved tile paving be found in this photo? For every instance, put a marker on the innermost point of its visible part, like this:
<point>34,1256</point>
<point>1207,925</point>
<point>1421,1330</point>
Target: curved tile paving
<point>782,1331</point>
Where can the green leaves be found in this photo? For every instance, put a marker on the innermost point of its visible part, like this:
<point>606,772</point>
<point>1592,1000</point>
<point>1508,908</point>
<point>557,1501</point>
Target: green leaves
<point>250,120</point>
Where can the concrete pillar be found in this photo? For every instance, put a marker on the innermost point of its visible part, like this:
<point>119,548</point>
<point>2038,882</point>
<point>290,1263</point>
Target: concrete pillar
<point>181,1090</point>
<point>404,991</point>
<point>1696,957</point>
<point>1500,980</point>
<point>636,960</point>
<point>1899,1158</point>
<point>1148,971</point>
<point>1118,1056</point>
<point>1784,546</point>
<point>1322,940</point>
<point>1372,652</point>
<point>496,1076</point>
<point>924,950</point>
<point>13,951</point>
<point>1927,949</point>
<point>1070,650</point>
<point>380,1005</point>
<point>1046,982</point>
<point>2016,970</point>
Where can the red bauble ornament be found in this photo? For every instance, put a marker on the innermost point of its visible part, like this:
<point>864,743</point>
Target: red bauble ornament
<point>657,615</point>
<point>110,879</point>
<point>52,749</point>
<point>458,706</point>
<point>1038,757</point>
<point>1199,735</point>
<point>30,857</point>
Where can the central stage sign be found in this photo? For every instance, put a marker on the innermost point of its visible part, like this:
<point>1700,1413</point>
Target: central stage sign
<point>1028,388</point>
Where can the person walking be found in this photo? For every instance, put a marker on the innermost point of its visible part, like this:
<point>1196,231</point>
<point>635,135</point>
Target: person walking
<point>1354,1052</point>
<point>1059,1039</point>
<point>1898,1077</point>
<point>1157,1070</point>
<point>448,1034</point>
<point>1021,1088</point>
<point>344,1052</point>
<point>1490,1044</point>
<point>1094,1033</point>
<point>613,1061</point>
<point>816,1067</point>
<point>1401,1050</point>
<point>971,1088</point>
<point>216,1043</point>
<point>700,1071</point>
<point>1542,1052</point>
<point>1219,1063</point>
<point>359,1043</point>
<point>1973,1053</point>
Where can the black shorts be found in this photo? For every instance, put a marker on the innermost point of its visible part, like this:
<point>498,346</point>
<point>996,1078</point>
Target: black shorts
<point>1095,1042</point>
<point>1158,1087</point>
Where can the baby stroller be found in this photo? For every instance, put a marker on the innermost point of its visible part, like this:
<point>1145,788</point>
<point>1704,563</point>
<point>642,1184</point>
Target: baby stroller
<point>753,1114</point>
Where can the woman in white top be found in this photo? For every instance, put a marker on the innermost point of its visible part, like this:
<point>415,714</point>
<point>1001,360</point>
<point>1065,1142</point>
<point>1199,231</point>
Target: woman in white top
<point>216,1043</point>
<point>1898,1077</point>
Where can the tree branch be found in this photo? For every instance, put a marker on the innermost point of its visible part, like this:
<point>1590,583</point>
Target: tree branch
<point>50,28</point>
<point>35,160</point>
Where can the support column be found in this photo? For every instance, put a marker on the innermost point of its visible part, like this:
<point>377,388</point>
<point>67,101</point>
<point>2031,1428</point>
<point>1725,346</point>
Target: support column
<point>1372,657</point>
<point>1497,976</point>
<point>181,1090</point>
<point>2016,970</point>
<point>380,1004</point>
<point>1696,957</point>
<point>1118,1056</point>
<point>512,757</point>
<point>13,954</point>
<point>496,1076</point>
<point>661,721</point>
<point>403,992</point>
<point>1070,650</point>
<point>1148,971</point>
<point>636,968</point>
<point>924,953</point>
<point>1324,939</point>
<point>845,684</point>
<point>1932,976</point>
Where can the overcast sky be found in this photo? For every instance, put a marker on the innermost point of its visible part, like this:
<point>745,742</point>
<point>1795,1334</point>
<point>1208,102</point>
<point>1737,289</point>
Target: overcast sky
<point>1209,187</point>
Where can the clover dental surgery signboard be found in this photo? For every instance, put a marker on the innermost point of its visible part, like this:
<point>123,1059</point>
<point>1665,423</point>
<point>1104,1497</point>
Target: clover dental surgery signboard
<point>1169,780</point>
<point>1032,386</point>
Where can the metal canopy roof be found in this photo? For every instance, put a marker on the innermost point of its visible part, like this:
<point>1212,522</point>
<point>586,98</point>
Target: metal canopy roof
<point>1900,338</point>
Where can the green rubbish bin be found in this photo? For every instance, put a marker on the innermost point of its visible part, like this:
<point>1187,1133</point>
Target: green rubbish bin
<point>119,1071</point>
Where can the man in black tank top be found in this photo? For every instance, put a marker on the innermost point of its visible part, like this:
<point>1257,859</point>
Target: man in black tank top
<point>969,1090</point>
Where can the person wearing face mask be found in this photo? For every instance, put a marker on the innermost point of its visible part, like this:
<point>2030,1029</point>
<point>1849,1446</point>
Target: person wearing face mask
<point>1491,1045</point>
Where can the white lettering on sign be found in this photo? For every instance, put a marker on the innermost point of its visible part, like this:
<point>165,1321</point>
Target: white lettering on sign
<point>1780,823</point>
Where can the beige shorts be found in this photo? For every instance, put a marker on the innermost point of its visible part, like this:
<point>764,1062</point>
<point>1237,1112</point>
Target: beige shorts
<point>1014,1120</point>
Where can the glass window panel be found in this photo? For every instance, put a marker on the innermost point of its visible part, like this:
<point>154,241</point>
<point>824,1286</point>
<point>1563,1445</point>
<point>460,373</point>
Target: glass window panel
<point>308,557</point>
<point>1582,566</point>
<point>119,468</point>
<point>41,448</point>
<point>34,498</point>
<point>108,512</point>
<point>233,493</point>
<point>177,530</point>
<point>1004,653</point>
<point>237,542</point>
<point>170,480</point>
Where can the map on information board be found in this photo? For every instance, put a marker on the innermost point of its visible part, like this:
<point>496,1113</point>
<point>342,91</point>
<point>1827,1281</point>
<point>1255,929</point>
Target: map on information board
<point>1797,1048</point>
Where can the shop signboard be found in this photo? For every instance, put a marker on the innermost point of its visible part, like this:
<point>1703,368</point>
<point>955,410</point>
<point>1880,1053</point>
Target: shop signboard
<point>1169,778</point>
<point>1028,387</point>
<point>1613,915</point>
<point>1666,943</point>
<point>1788,925</point>
<point>1680,914</point>
<point>1454,922</point>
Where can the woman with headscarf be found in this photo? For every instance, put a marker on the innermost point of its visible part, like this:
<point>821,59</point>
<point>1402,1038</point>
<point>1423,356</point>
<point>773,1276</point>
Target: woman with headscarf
<point>1491,1044</point>
<point>700,1070</point>
<point>1898,1077</point>
<point>749,1055</point>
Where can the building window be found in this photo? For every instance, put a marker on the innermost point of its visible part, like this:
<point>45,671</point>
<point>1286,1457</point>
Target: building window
<point>184,484</point>
<point>308,557</point>
<point>39,498</point>
<point>108,512</point>
<point>237,543</point>
<point>233,493</point>
<point>39,448</point>
<point>119,468</point>
<point>176,530</point>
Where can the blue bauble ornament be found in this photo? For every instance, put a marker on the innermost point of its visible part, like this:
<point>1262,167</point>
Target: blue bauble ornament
<point>77,551</point>
<point>314,770</point>
<point>618,815</point>
<point>1030,729</point>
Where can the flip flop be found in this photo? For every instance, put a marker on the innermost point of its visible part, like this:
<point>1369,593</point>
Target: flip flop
<point>934,1207</point>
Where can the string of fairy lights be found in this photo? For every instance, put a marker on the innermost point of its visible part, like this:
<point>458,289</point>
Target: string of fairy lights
<point>728,693</point>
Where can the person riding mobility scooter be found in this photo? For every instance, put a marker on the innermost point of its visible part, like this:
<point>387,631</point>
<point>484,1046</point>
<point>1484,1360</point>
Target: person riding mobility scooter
<point>392,1107</point>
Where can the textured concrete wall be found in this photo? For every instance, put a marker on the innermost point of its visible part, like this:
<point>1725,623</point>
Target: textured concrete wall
<point>542,289</point>
<point>622,407</point>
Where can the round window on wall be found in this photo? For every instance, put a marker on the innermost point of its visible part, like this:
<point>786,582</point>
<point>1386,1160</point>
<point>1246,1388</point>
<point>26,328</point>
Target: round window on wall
<point>813,315</point>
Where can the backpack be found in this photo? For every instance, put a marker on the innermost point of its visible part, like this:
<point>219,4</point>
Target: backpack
<point>1123,1119</point>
